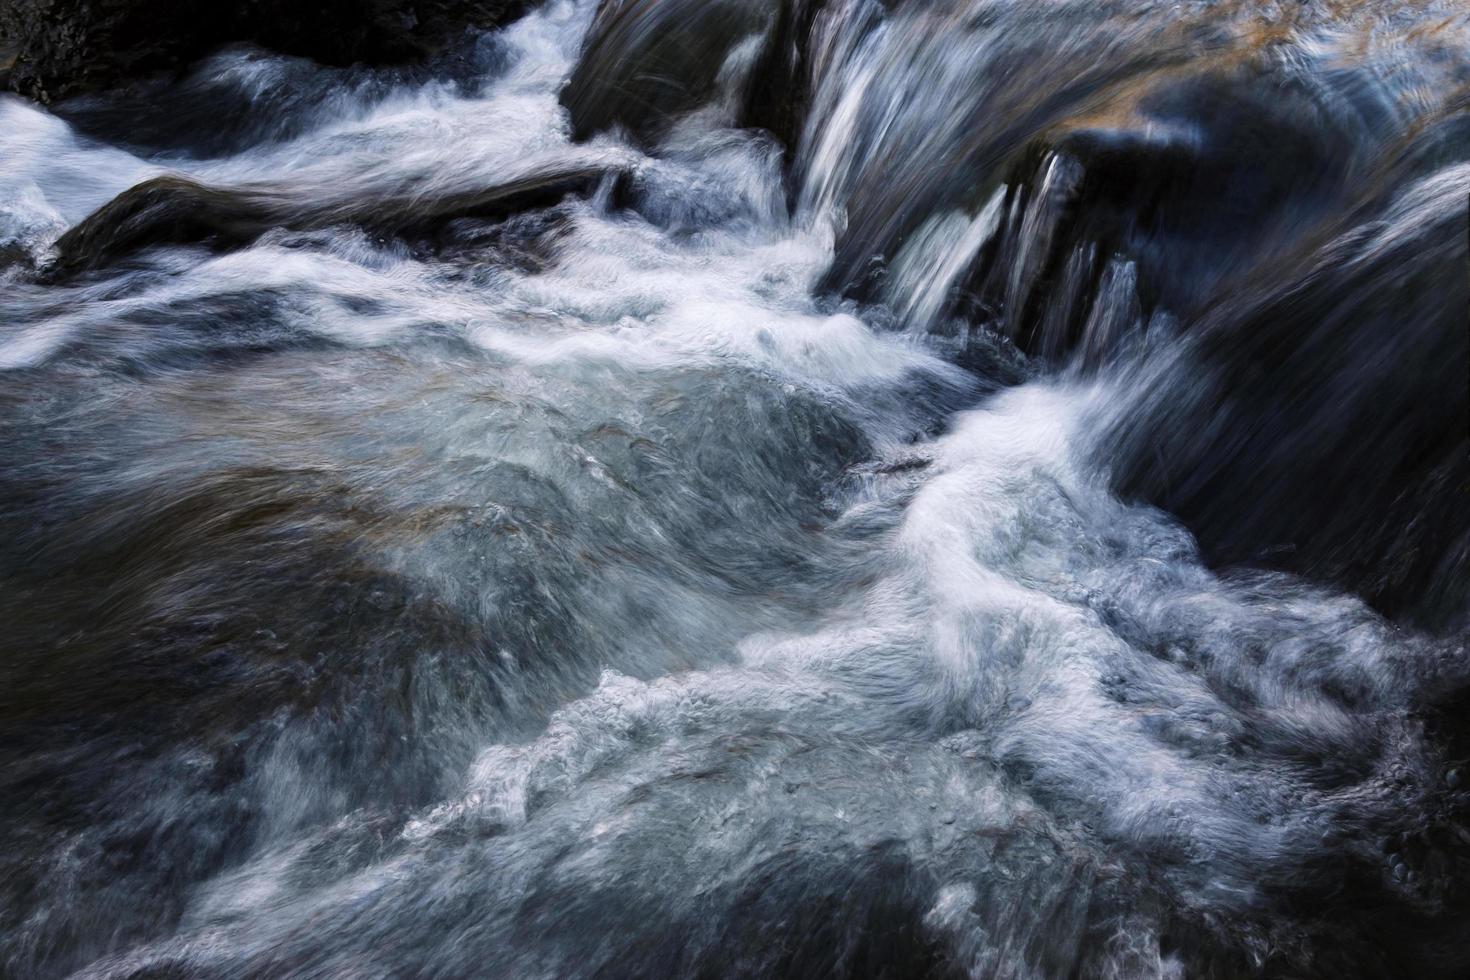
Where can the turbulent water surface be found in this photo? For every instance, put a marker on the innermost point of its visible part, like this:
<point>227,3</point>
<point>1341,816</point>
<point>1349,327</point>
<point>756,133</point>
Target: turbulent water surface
<point>954,488</point>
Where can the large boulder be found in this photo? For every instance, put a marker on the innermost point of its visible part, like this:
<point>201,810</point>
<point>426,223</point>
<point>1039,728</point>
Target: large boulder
<point>1318,422</point>
<point>67,47</point>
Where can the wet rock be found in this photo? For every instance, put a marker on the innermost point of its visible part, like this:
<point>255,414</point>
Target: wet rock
<point>1204,178</point>
<point>67,47</point>
<point>414,214</point>
<point>647,61</point>
<point>527,242</point>
<point>777,98</point>
<point>957,141</point>
<point>227,102</point>
<point>1323,430</point>
<point>173,210</point>
<point>164,210</point>
<point>13,254</point>
<point>1140,161</point>
<point>1321,425</point>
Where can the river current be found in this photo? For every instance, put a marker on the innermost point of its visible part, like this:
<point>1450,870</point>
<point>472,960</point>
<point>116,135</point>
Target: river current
<point>851,550</point>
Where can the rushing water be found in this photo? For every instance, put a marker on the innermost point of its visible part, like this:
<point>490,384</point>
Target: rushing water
<point>742,563</point>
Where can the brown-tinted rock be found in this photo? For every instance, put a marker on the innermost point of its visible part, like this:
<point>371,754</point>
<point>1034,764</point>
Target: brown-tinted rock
<point>174,210</point>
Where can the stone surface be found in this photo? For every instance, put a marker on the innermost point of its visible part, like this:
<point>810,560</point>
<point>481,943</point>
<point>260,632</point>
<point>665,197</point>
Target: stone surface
<point>647,61</point>
<point>173,210</point>
<point>69,47</point>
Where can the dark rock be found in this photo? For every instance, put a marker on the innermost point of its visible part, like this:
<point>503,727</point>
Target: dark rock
<point>646,62</point>
<point>13,254</point>
<point>225,104</point>
<point>164,210</point>
<point>1207,178</point>
<point>415,214</point>
<point>1321,424</point>
<point>67,47</point>
<point>174,210</point>
<point>953,153</point>
<point>527,242</point>
<point>776,100</point>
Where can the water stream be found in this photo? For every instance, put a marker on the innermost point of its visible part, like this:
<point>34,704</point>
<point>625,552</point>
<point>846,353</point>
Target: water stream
<point>842,535</point>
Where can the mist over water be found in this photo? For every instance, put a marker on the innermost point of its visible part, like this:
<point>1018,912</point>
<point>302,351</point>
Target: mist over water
<point>955,489</point>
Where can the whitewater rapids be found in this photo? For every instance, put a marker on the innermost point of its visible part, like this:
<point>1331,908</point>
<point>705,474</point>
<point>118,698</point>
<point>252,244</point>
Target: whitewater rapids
<point>606,590</point>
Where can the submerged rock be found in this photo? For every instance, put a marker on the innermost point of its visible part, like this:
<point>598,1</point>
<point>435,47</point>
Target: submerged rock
<point>68,47</point>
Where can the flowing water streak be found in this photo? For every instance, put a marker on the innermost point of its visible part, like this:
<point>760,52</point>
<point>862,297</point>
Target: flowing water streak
<point>582,595</point>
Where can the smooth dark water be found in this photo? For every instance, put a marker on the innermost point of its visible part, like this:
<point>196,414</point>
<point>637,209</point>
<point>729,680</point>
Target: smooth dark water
<point>926,489</point>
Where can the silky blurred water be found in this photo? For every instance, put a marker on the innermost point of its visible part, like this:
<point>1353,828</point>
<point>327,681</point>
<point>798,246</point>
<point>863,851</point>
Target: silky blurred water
<point>597,592</point>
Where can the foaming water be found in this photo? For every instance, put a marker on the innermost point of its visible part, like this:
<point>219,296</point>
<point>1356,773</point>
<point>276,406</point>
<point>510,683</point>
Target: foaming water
<point>597,586</point>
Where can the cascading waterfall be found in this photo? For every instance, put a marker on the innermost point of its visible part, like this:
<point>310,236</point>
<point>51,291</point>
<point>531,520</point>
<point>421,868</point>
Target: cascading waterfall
<point>747,488</point>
